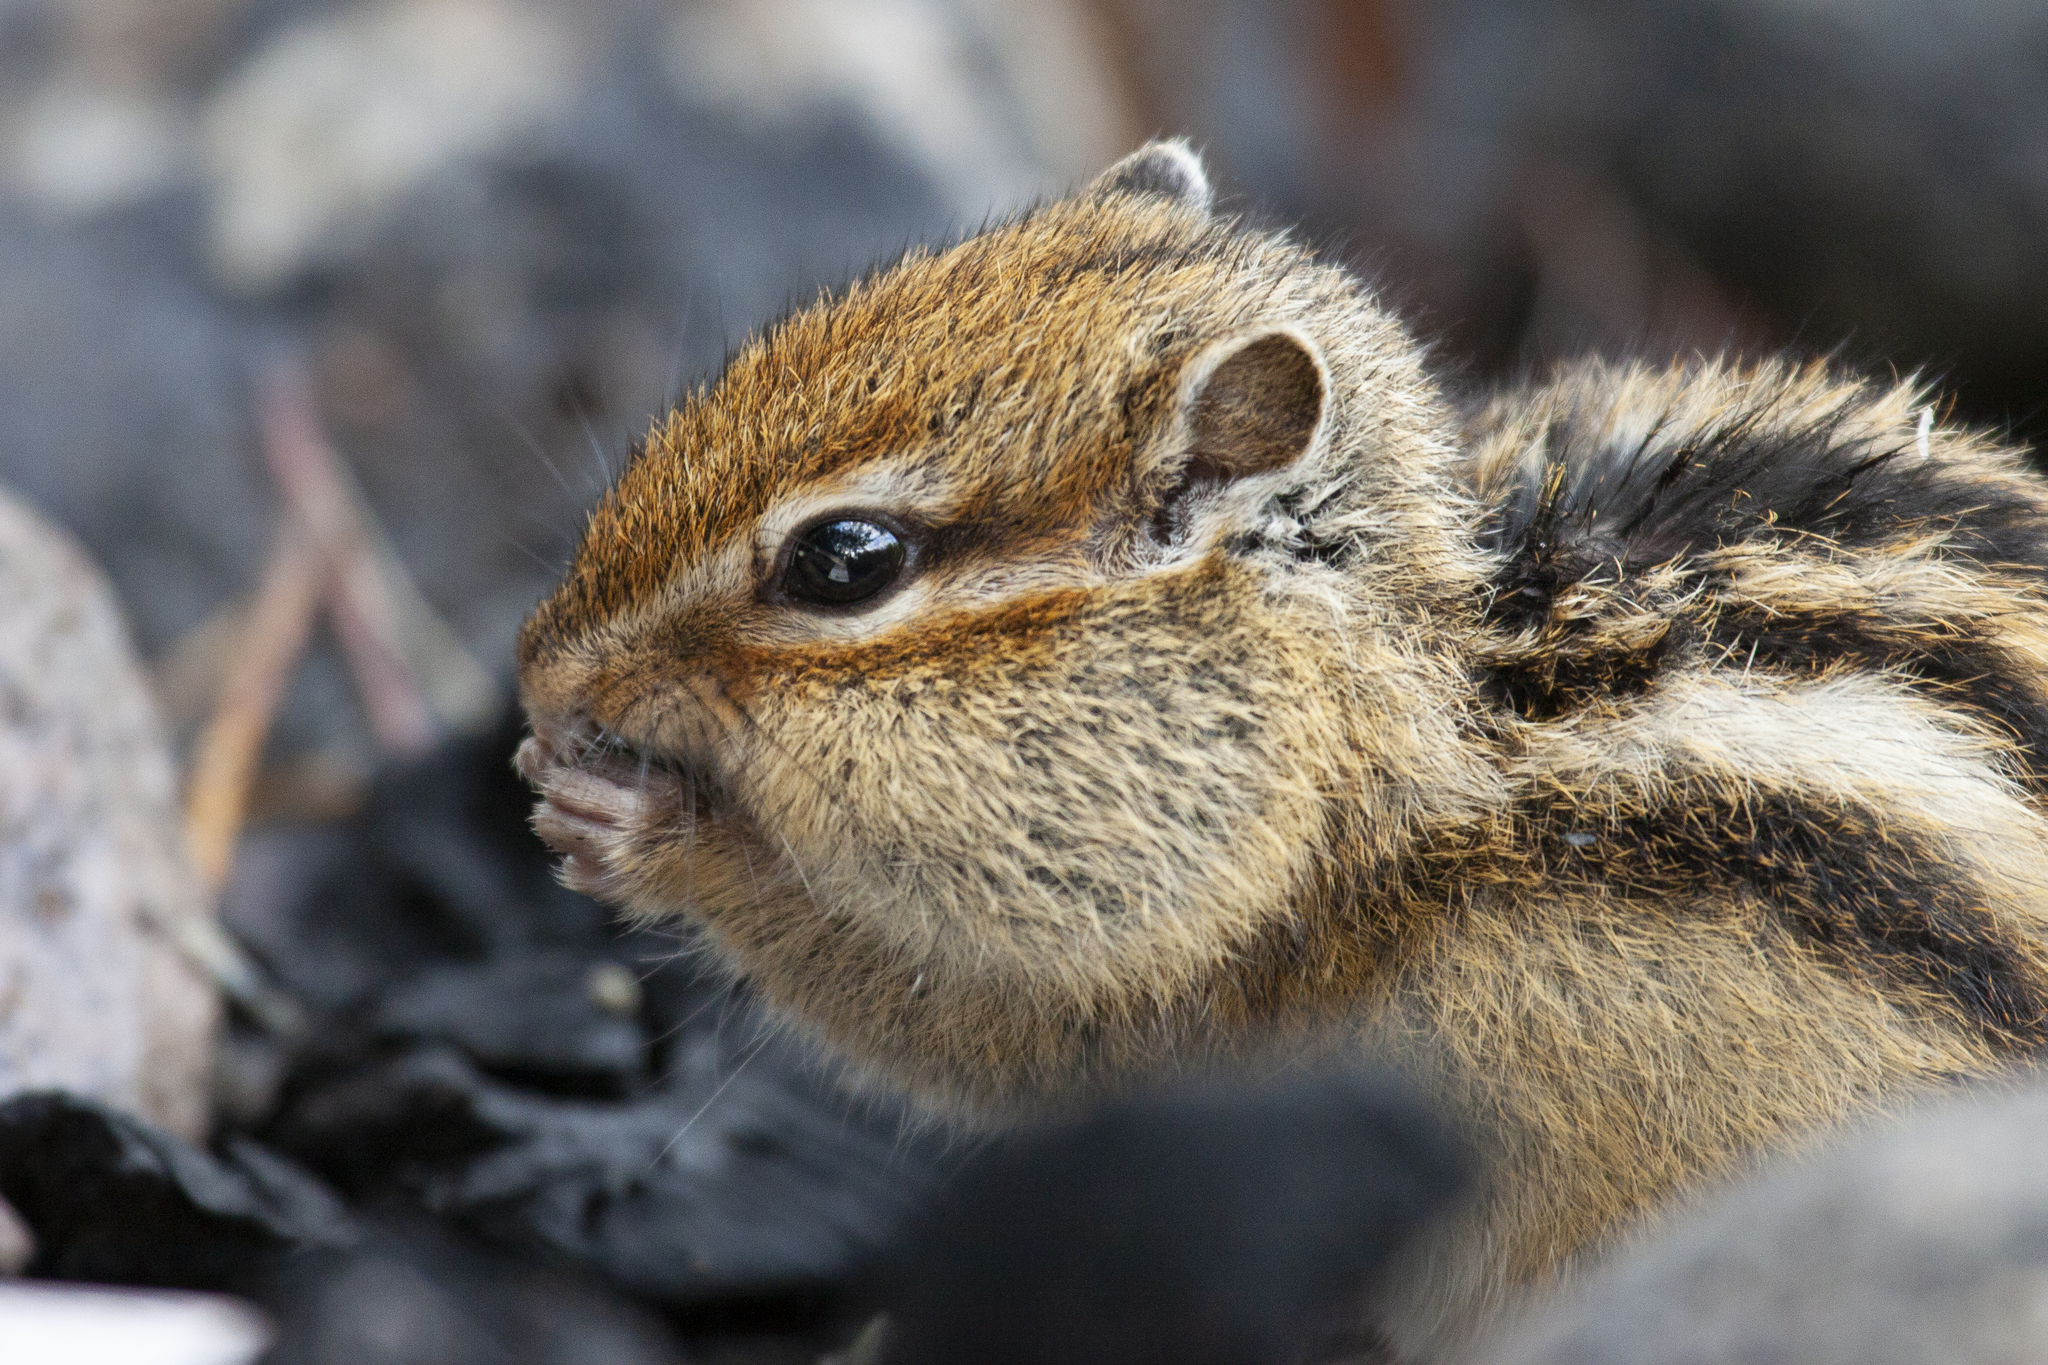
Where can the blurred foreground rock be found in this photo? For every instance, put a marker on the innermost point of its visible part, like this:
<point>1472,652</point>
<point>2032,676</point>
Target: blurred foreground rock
<point>93,996</point>
<point>113,1201</point>
<point>1926,1242</point>
<point>1236,1223</point>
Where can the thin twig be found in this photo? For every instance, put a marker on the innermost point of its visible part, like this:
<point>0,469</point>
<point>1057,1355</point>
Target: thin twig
<point>459,692</point>
<point>226,761</point>
<point>366,620</point>
<point>230,749</point>
<point>328,548</point>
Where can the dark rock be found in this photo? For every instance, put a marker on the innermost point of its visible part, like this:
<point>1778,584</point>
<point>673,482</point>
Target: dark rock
<point>403,921</point>
<point>111,1199</point>
<point>450,833</point>
<point>423,1300</point>
<point>1222,1226</point>
<point>539,1016</point>
<point>711,1190</point>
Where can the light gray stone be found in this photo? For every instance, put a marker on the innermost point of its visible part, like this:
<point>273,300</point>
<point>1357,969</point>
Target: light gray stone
<point>94,998</point>
<point>1927,1241</point>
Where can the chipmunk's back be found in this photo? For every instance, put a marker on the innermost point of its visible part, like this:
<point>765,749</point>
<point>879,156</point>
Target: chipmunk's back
<point>1765,649</point>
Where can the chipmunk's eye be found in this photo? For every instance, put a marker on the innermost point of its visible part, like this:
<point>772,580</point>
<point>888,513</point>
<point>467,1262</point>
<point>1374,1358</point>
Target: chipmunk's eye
<point>837,562</point>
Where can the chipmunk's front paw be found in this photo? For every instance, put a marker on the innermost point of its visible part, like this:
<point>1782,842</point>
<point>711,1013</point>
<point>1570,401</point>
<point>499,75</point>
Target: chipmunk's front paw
<point>595,809</point>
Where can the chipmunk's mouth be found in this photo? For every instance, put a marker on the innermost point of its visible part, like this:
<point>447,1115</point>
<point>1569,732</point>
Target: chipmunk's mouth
<point>616,761</point>
<point>615,757</point>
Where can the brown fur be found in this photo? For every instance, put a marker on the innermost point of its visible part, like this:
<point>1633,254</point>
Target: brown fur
<point>1652,760</point>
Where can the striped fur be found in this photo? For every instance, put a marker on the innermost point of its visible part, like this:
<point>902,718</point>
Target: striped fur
<point>1652,759</point>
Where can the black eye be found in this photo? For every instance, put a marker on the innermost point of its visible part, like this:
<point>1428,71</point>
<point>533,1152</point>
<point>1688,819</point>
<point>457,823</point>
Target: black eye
<point>837,562</point>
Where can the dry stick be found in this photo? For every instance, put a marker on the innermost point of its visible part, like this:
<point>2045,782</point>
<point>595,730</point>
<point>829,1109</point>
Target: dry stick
<point>190,674</point>
<point>314,553</point>
<point>328,546</point>
<point>230,751</point>
<point>408,660</point>
<point>463,695</point>
<point>365,611</point>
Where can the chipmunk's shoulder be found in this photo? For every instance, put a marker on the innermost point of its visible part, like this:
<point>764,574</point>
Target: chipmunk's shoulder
<point>1644,523</point>
<point>1611,469</point>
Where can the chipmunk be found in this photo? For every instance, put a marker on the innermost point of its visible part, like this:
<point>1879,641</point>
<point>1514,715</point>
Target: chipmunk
<point>1100,648</point>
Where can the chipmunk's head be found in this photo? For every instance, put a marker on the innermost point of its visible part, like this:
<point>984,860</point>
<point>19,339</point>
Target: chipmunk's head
<point>989,658</point>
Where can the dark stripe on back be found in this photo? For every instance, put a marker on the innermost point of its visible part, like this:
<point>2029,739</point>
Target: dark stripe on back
<point>1893,905</point>
<point>1582,668</point>
<point>1945,662</point>
<point>1750,476</point>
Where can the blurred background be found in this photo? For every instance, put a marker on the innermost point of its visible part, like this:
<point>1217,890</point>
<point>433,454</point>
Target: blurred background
<point>440,261</point>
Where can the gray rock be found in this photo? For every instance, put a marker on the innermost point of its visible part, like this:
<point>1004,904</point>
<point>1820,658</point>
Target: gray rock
<point>93,996</point>
<point>1925,1241</point>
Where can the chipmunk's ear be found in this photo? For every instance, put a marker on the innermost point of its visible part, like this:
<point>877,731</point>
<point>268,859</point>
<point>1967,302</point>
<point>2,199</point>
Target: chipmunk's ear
<point>1167,168</point>
<point>1249,405</point>
<point>1253,403</point>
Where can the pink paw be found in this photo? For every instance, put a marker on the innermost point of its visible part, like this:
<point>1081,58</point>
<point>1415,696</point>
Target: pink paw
<point>595,805</point>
